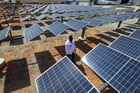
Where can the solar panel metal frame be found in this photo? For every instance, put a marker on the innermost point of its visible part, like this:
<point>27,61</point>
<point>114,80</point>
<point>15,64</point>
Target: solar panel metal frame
<point>74,67</point>
<point>56,27</point>
<point>135,34</point>
<point>32,29</point>
<point>129,49</point>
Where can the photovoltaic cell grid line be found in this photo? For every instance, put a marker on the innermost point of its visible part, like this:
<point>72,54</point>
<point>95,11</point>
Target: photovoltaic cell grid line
<point>105,61</point>
<point>127,45</point>
<point>135,34</point>
<point>57,28</point>
<point>64,77</point>
<point>127,80</point>
<point>32,32</point>
<point>76,24</point>
<point>4,33</point>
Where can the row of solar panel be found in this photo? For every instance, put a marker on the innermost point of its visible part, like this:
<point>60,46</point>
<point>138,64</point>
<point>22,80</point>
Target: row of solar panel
<point>57,27</point>
<point>76,14</point>
<point>112,65</point>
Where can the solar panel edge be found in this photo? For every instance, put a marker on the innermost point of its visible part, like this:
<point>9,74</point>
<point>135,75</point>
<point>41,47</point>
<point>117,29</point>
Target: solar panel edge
<point>8,28</point>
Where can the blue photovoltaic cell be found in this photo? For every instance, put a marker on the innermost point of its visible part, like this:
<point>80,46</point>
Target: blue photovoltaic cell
<point>135,34</point>
<point>32,32</point>
<point>76,24</point>
<point>127,45</point>
<point>64,77</point>
<point>57,28</point>
<point>105,61</point>
<point>4,33</point>
<point>127,80</point>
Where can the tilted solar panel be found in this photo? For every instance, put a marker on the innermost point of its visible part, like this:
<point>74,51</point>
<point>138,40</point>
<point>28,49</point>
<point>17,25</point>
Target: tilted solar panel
<point>25,18</point>
<point>41,17</point>
<point>64,77</point>
<point>76,24</point>
<point>57,28</point>
<point>127,80</point>
<point>4,33</point>
<point>32,32</point>
<point>127,45</point>
<point>93,21</point>
<point>135,34</point>
<point>105,61</point>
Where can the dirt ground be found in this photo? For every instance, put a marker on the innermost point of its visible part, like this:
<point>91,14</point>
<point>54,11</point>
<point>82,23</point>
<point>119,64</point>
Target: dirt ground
<point>26,61</point>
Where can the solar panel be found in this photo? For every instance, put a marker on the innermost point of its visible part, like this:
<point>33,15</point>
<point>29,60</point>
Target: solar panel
<point>127,45</point>
<point>53,16</point>
<point>4,33</point>
<point>93,21</point>
<point>41,17</point>
<point>135,34</point>
<point>57,28</point>
<point>25,18</point>
<point>64,77</point>
<point>32,32</point>
<point>127,80</point>
<point>76,24</point>
<point>105,61</point>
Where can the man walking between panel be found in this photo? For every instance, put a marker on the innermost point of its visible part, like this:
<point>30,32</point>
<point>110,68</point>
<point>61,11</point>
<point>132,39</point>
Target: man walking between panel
<point>70,48</point>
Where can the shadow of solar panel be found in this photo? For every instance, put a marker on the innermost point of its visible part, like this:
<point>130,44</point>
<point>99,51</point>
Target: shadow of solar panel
<point>4,33</point>
<point>32,32</point>
<point>76,24</point>
<point>105,61</point>
<point>127,45</point>
<point>25,18</point>
<point>57,28</point>
<point>64,77</point>
<point>41,17</point>
<point>127,80</point>
<point>135,34</point>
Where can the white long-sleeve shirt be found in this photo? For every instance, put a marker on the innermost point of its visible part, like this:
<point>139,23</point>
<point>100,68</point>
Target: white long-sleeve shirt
<point>69,47</point>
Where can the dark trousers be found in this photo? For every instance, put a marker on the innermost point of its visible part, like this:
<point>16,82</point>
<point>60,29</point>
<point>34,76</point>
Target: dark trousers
<point>71,57</point>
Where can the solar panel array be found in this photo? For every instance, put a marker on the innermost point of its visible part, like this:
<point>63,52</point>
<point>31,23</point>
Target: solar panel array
<point>127,45</point>
<point>76,24</point>
<point>105,61</point>
<point>57,28</point>
<point>64,77</point>
<point>118,70</point>
<point>32,32</point>
<point>135,34</point>
<point>4,33</point>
